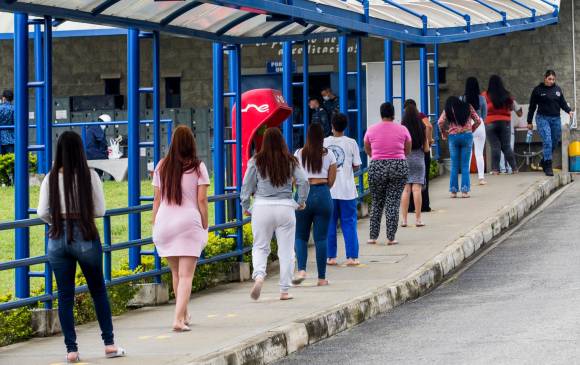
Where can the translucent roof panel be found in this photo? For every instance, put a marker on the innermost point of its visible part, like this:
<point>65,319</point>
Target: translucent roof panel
<point>248,21</point>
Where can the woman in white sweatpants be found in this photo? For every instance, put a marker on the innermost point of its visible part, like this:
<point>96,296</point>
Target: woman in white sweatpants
<point>269,180</point>
<point>477,101</point>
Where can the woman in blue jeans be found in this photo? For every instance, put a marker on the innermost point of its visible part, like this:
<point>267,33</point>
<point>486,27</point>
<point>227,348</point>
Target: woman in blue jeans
<point>71,196</point>
<point>320,166</point>
<point>548,99</point>
<point>457,123</point>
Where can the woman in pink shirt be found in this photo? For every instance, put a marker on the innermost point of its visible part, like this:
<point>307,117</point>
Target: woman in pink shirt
<point>180,216</point>
<point>388,144</point>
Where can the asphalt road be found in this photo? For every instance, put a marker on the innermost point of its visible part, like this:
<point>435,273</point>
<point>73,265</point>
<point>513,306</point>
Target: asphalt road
<point>519,304</point>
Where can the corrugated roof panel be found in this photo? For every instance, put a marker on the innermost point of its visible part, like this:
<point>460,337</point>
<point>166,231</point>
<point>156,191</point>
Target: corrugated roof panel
<point>416,21</point>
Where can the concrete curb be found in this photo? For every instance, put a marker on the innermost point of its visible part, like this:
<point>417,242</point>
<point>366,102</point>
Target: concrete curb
<point>282,341</point>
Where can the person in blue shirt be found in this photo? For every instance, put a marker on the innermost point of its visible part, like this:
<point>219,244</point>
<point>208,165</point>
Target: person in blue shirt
<point>7,119</point>
<point>96,141</point>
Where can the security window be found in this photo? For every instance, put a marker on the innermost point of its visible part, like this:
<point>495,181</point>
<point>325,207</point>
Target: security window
<point>173,92</point>
<point>112,86</point>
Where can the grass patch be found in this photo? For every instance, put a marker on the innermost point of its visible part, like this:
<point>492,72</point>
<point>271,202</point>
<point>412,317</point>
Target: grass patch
<point>115,197</point>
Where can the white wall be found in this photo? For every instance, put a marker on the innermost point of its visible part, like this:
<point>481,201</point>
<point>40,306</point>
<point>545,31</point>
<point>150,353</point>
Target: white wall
<point>375,72</point>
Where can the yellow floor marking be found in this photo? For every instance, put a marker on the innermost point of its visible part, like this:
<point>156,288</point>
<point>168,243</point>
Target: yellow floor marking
<point>144,337</point>
<point>306,285</point>
<point>231,315</point>
<point>163,337</point>
<point>212,316</point>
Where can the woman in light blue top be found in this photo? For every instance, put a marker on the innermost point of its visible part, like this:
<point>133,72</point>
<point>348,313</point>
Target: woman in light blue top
<point>269,180</point>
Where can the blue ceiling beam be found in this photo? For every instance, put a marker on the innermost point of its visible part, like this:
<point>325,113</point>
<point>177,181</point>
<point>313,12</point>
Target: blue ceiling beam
<point>556,9</point>
<point>423,17</point>
<point>234,23</point>
<point>465,17</point>
<point>494,9</point>
<point>310,30</point>
<point>104,6</point>
<point>179,12</point>
<point>532,10</point>
<point>277,28</point>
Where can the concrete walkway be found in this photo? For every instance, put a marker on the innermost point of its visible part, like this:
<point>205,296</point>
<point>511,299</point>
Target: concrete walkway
<point>231,328</point>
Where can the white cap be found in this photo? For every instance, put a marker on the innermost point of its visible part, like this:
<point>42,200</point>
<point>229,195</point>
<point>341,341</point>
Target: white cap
<point>105,118</point>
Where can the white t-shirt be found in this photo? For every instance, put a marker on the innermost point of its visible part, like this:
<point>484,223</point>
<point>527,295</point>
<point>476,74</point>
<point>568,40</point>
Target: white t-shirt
<point>347,154</point>
<point>327,161</point>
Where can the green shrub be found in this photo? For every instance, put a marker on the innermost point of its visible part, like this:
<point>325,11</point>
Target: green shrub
<point>433,170</point>
<point>7,166</point>
<point>15,324</point>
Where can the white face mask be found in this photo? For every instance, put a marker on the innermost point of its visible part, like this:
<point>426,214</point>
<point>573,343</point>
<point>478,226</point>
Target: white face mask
<point>326,98</point>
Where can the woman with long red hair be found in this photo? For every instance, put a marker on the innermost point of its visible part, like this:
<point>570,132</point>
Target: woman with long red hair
<point>269,180</point>
<point>180,216</point>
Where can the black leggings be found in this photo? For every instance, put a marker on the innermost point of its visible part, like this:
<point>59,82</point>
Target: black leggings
<point>387,179</point>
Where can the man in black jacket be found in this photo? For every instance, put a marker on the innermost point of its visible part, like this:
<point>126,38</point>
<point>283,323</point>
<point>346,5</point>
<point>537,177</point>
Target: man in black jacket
<point>548,99</point>
<point>320,116</point>
<point>330,103</point>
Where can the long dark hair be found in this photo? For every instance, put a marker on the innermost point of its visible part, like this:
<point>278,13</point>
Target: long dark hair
<point>274,161</point>
<point>472,92</point>
<point>500,97</point>
<point>78,190</point>
<point>182,157</point>
<point>457,111</point>
<point>313,150</point>
<point>415,125</point>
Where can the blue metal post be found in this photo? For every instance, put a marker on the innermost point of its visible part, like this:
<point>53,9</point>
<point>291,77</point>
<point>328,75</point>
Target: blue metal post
<point>423,80</point>
<point>437,149</point>
<point>47,272</point>
<point>47,134</point>
<point>156,122</point>
<point>287,91</point>
<point>156,99</point>
<point>237,88</point>
<point>305,88</point>
<point>21,203</point>
<point>134,184</point>
<point>403,77</point>
<point>388,49</point>
<point>218,130</point>
<point>39,95</point>
<point>359,106</point>
<point>343,74</point>
<point>107,244</point>
<point>48,96</point>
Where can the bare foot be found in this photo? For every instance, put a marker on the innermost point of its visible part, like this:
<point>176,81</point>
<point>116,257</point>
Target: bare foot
<point>465,195</point>
<point>331,262</point>
<point>393,242</point>
<point>285,296</point>
<point>322,282</point>
<point>72,357</point>
<point>372,242</point>
<point>352,262</point>
<point>482,182</point>
<point>453,195</point>
<point>299,278</point>
<point>177,327</point>
<point>257,289</point>
<point>112,351</point>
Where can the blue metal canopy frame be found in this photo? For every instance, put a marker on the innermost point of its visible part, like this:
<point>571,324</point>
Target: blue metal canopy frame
<point>307,12</point>
<point>311,16</point>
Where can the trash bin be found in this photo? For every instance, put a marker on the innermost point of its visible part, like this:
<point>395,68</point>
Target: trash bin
<point>574,154</point>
